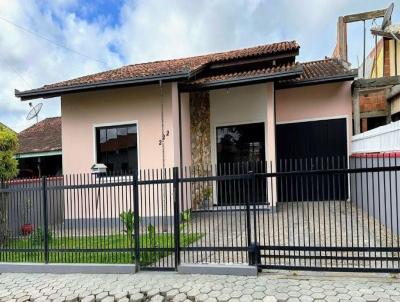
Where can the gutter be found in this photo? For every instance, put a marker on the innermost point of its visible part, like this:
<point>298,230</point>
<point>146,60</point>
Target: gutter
<point>240,81</point>
<point>58,91</point>
<point>38,154</point>
<point>324,80</point>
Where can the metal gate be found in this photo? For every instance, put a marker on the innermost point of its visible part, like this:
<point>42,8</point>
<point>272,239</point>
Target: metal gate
<point>352,226</point>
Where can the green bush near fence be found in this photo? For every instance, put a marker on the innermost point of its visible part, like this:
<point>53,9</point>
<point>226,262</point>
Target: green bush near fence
<point>95,249</point>
<point>8,170</point>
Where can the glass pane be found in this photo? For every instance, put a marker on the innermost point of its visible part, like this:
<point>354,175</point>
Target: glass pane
<point>103,135</point>
<point>132,129</point>
<point>122,131</point>
<point>111,133</point>
<point>117,148</point>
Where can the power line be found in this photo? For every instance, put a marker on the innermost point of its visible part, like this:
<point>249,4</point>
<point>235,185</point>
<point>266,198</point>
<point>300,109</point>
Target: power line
<point>16,72</point>
<point>50,41</point>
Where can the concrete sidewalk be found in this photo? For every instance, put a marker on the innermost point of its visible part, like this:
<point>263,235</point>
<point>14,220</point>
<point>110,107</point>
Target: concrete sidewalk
<point>149,286</point>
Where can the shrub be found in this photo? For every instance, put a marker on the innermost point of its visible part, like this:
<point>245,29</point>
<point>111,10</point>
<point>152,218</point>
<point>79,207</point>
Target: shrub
<point>37,236</point>
<point>128,220</point>
<point>8,170</point>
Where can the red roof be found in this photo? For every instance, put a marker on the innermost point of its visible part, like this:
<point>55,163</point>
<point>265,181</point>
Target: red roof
<point>175,66</point>
<point>247,74</point>
<point>45,136</point>
<point>319,70</point>
<point>235,65</point>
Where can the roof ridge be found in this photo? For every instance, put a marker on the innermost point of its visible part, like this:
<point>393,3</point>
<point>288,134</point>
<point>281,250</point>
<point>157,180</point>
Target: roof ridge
<point>320,60</point>
<point>212,53</point>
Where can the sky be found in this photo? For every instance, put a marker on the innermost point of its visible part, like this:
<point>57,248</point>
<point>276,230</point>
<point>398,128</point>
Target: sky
<point>45,41</point>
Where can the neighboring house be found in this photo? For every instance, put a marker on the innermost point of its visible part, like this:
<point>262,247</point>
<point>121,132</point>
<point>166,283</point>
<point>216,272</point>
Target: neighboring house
<point>376,91</point>
<point>377,104</point>
<point>39,152</point>
<point>242,105</point>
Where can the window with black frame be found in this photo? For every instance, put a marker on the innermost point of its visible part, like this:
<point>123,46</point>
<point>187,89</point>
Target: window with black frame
<point>116,147</point>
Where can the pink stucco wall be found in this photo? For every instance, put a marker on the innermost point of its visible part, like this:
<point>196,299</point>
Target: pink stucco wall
<point>313,102</point>
<point>316,102</point>
<point>81,113</point>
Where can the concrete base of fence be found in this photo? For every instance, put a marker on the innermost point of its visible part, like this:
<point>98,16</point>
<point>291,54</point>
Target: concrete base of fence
<point>56,268</point>
<point>218,269</point>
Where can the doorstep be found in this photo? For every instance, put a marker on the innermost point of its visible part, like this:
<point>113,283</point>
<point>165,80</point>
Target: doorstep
<point>218,269</point>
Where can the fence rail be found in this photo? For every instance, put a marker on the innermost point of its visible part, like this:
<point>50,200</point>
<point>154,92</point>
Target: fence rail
<point>312,214</point>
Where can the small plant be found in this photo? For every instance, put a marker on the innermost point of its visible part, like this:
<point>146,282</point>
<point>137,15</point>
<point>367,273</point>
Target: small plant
<point>207,193</point>
<point>151,242</point>
<point>207,196</point>
<point>37,237</point>
<point>151,232</point>
<point>128,220</point>
<point>186,217</point>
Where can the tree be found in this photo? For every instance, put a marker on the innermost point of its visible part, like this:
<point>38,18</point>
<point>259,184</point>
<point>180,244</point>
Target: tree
<point>8,170</point>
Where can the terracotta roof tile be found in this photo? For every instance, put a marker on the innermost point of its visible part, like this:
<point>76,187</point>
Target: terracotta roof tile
<point>44,136</point>
<point>175,66</point>
<point>322,69</point>
<point>251,73</point>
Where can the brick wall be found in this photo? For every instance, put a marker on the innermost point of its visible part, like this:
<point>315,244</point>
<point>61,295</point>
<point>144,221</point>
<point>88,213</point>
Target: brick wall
<point>386,57</point>
<point>373,101</point>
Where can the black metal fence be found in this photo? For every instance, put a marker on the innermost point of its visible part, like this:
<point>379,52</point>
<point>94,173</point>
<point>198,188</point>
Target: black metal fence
<point>312,214</point>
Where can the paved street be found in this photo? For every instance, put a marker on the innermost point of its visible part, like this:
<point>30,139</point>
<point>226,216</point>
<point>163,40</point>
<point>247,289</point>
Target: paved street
<point>157,286</point>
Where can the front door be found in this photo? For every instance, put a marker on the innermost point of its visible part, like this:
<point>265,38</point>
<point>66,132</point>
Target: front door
<point>238,146</point>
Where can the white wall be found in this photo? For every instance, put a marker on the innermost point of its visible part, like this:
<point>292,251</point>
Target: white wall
<point>382,139</point>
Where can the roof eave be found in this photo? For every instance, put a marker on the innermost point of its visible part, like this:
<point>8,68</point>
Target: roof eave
<point>58,91</point>
<point>241,81</point>
<point>320,80</point>
<point>34,154</point>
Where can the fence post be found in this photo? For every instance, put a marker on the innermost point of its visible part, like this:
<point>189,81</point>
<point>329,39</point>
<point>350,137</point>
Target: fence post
<point>253,245</point>
<point>45,221</point>
<point>136,218</point>
<point>176,216</point>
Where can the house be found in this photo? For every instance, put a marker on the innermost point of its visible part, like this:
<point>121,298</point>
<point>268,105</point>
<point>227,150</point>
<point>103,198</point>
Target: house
<point>252,104</point>
<point>40,153</point>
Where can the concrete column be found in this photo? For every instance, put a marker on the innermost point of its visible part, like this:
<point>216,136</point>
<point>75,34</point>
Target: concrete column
<point>356,111</point>
<point>185,127</point>
<point>270,142</point>
<point>175,124</point>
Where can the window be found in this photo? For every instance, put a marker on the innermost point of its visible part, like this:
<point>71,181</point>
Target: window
<point>116,147</point>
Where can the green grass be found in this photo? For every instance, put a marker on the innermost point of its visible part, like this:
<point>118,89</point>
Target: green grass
<point>103,243</point>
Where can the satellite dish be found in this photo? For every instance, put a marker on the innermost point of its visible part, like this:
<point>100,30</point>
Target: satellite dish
<point>387,19</point>
<point>34,113</point>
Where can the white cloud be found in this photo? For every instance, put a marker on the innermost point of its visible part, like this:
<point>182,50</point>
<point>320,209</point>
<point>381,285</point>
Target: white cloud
<point>27,61</point>
<point>151,30</point>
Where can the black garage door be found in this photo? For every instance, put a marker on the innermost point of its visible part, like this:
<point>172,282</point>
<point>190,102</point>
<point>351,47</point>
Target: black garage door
<point>315,145</point>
